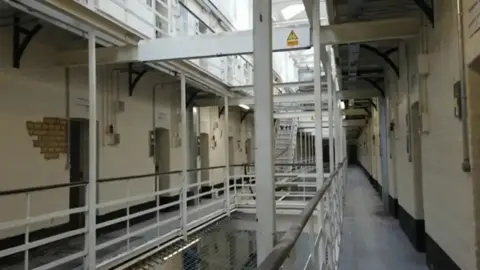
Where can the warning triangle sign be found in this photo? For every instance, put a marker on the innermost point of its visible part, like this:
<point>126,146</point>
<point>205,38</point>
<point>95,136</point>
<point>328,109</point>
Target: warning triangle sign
<point>292,39</point>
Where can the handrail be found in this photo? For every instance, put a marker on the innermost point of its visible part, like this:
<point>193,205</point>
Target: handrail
<point>102,180</point>
<point>281,250</point>
<point>121,178</point>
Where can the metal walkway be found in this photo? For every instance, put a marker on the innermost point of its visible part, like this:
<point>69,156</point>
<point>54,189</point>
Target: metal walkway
<point>371,239</point>
<point>51,252</point>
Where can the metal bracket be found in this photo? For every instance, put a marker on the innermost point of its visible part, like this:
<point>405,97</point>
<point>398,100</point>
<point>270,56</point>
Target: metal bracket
<point>245,115</point>
<point>392,50</point>
<point>375,85</point>
<point>384,56</point>
<point>428,10</point>
<point>221,111</point>
<point>367,110</point>
<point>191,98</point>
<point>373,104</point>
<point>19,45</point>
<point>133,80</point>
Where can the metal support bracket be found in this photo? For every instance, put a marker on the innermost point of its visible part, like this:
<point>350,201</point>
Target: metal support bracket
<point>133,78</point>
<point>191,98</point>
<point>373,104</point>
<point>367,110</point>
<point>221,111</point>
<point>427,9</point>
<point>19,45</point>
<point>375,85</point>
<point>392,50</point>
<point>384,56</point>
<point>245,115</point>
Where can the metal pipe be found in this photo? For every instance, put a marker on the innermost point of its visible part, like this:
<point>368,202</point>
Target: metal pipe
<point>92,152</point>
<point>466,166</point>
<point>67,115</point>
<point>227,156</point>
<point>183,101</point>
<point>330,120</point>
<point>409,111</point>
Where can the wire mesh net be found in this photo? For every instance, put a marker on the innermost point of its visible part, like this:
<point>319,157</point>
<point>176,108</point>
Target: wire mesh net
<point>219,246</point>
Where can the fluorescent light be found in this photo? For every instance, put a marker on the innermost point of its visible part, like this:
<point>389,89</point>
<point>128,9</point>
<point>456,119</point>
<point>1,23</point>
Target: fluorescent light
<point>243,106</point>
<point>342,105</point>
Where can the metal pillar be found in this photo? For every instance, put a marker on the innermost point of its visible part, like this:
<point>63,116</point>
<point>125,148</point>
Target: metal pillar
<point>264,154</point>
<point>92,152</point>
<point>330,121</point>
<point>317,86</point>
<point>227,157</point>
<point>183,207</point>
<point>301,148</point>
<point>383,118</point>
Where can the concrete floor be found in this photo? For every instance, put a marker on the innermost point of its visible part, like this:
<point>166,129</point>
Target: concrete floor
<point>371,239</point>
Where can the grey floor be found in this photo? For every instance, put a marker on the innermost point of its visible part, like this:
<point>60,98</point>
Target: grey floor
<point>371,239</point>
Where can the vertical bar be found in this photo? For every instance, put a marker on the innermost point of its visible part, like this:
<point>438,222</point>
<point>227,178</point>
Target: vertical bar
<point>227,156</point>
<point>317,85</point>
<point>383,117</point>
<point>264,154</point>
<point>183,101</point>
<point>92,150</point>
<point>330,119</point>
<point>169,17</point>
<point>128,215</point>
<point>301,152</point>
<point>27,232</point>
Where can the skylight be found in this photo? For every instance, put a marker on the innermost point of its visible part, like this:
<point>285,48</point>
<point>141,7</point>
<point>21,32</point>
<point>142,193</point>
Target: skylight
<point>292,11</point>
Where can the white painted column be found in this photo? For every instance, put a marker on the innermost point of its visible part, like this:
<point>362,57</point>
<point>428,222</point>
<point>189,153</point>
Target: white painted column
<point>226,184</point>
<point>317,84</point>
<point>92,151</point>
<point>184,136</point>
<point>264,148</point>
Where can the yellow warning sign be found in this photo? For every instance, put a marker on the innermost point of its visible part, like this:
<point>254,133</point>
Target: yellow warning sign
<point>292,39</point>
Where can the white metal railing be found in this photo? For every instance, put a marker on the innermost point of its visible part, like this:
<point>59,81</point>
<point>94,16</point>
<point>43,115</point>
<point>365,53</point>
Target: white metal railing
<point>318,230</point>
<point>151,18</point>
<point>138,229</point>
<point>232,70</point>
<point>169,18</point>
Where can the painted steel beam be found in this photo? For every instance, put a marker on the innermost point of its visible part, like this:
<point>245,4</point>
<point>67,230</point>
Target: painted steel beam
<point>241,42</point>
<point>221,44</point>
<point>278,85</point>
<point>354,112</point>
<point>311,114</point>
<point>358,93</point>
<point>308,4</point>
<point>370,31</point>
<point>346,123</point>
<point>294,98</point>
<point>293,114</point>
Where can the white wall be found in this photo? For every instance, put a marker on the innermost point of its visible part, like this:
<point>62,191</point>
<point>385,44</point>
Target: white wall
<point>448,202</point>
<point>214,126</point>
<point>37,90</point>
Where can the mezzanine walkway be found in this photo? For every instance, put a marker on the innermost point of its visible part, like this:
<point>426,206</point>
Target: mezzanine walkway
<point>371,239</point>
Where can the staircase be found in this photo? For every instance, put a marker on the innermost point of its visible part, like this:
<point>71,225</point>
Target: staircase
<point>285,142</point>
